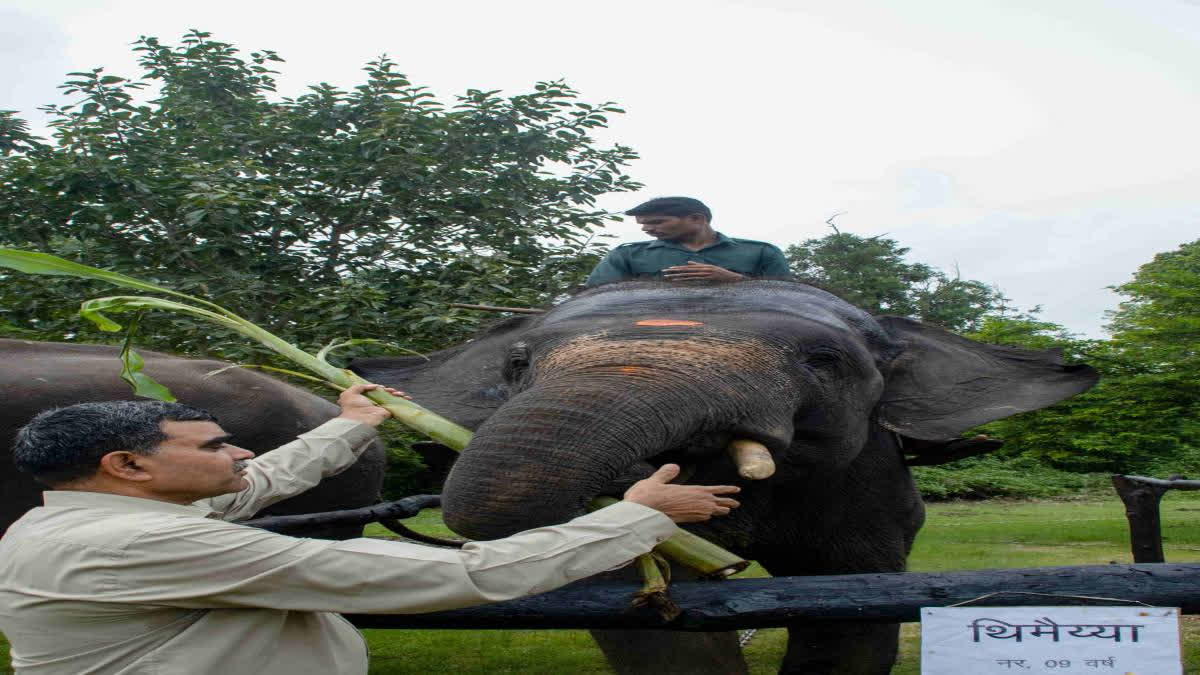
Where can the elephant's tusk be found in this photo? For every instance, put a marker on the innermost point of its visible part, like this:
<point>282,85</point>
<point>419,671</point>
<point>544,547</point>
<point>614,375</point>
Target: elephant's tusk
<point>752,458</point>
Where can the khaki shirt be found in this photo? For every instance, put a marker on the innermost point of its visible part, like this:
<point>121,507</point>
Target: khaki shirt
<point>104,584</point>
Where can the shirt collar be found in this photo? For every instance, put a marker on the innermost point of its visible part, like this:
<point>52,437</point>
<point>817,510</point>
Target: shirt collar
<point>121,503</point>
<point>721,239</point>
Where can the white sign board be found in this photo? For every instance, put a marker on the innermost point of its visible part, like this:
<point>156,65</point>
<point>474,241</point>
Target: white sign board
<point>1050,641</point>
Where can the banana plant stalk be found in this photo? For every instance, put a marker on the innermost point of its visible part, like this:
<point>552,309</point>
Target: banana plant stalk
<point>686,548</point>
<point>656,573</point>
<point>692,551</point>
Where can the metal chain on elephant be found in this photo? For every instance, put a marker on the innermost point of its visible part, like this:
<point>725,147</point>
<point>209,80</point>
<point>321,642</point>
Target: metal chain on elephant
<point>746,636</point>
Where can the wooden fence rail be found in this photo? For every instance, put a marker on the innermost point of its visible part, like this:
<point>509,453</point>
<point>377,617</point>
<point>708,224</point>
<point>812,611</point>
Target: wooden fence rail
<point>777,601</point>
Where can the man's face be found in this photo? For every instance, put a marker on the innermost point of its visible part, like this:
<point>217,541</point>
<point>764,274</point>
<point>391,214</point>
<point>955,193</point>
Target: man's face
<point>196,461</point>
<point>672,228</point>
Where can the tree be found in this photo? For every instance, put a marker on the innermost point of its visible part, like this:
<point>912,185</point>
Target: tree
<point>1156,330</point>
<point>1152,364</point>
<point>871,272</point>
<point>954,303</point>
<point>868,272</point>
<point>357,213</point>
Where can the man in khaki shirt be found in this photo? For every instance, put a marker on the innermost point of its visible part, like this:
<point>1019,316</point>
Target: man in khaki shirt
<point>131,568</point>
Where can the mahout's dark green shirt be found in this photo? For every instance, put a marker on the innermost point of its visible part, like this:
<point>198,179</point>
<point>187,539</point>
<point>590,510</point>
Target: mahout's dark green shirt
<point>647,259</point>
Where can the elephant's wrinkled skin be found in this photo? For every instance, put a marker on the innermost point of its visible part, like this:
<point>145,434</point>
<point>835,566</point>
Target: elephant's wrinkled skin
<point>262,413</point>
<point>588,397</point>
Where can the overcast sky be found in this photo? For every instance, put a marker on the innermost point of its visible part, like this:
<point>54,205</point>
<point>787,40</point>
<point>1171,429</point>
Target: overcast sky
<point>1048,147</point>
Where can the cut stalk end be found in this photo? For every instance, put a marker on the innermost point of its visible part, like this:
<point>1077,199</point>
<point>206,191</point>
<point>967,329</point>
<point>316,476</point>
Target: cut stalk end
<point>703,556</point>
<point>656,574</point>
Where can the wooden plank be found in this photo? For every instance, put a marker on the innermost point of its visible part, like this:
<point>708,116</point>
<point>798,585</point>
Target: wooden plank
<point>760,603</point>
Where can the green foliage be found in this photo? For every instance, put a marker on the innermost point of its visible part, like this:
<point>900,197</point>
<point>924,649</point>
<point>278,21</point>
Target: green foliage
<point>1156,330</point>
<point>996,476</point>
<point>868,272</point>
<point>1149,404</point>
<point>357,213</point>
<point>1027,330</point>
<point>956,304</point>
<point>1184,462</point>
<point>14,134</point>
<point>871,273</point>
<point>406,473</point>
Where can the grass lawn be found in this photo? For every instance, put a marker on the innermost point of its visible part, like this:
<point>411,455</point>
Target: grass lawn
<point>957,535</point>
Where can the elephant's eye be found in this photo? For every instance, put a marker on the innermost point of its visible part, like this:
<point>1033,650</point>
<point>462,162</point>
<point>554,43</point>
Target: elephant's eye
<point>517,362</point>
<point>823,358</point>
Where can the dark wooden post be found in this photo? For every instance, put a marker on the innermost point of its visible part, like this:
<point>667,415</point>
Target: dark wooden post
<point>1141,508</point>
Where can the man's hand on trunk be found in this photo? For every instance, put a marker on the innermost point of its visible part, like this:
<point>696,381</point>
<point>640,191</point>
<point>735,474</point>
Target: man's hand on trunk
<point>682,503</point>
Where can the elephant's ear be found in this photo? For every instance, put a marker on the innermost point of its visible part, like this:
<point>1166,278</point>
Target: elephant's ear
<point>464,384</point>
<point>942,384</point>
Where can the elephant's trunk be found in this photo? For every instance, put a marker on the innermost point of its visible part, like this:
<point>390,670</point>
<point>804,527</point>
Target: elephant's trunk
<point>543,455</point>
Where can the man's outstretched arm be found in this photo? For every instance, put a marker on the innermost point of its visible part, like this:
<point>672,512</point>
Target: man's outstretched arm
<point>205,564</point>
<point>315,455</point>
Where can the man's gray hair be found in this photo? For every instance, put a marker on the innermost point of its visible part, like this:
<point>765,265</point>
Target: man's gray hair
<point>65,444</point>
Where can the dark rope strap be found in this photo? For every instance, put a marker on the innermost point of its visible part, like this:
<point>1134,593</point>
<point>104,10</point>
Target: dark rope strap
<point>401,508</point>
<point>401,529</point>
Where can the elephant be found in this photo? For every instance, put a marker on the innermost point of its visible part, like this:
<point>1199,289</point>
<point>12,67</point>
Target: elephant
<point>261,412</point>
<point>611,383</point>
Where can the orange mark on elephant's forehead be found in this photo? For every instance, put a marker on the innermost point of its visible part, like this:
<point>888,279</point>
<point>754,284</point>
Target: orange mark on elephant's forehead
<point>631,370</point>
<point>668,322</point>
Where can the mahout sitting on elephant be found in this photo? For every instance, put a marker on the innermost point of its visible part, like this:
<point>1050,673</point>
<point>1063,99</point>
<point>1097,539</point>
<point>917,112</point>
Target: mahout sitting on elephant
<point>595,393</point>
<point>261,412</point>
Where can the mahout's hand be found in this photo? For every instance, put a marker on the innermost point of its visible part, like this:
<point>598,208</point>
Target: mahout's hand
<point>694,271</point>
<point>682,503</point>
<point>359,408</point>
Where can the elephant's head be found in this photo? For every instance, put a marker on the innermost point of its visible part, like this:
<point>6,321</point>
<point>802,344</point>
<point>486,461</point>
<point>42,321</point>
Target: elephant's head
<point>623,378</point>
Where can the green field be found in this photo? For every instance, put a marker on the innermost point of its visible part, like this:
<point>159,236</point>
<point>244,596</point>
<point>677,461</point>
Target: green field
<point>957,535</point>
